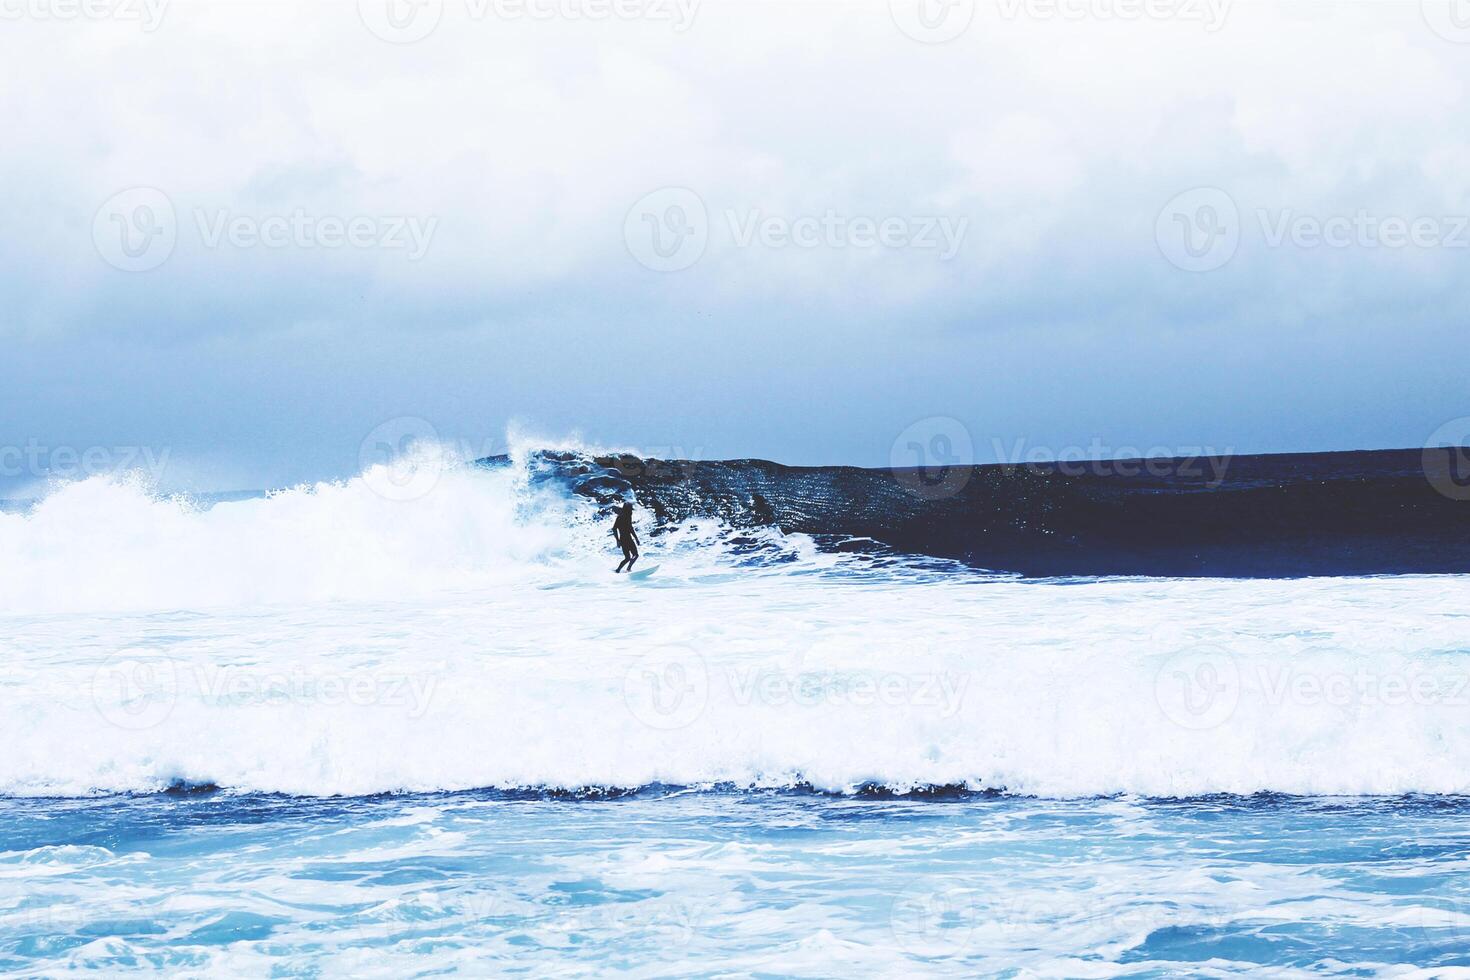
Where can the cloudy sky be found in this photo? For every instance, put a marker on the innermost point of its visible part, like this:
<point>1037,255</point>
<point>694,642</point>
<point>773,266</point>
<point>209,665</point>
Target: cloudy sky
<point>250,234</point>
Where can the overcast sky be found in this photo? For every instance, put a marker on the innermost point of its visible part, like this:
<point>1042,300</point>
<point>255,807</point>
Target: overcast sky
<point>248,234</point>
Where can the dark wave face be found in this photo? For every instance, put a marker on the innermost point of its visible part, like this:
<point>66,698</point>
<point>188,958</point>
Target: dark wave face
<point>1356,513</point>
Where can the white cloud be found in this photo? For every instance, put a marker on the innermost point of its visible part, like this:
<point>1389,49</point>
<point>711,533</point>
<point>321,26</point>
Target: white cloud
<point>1057,139</point>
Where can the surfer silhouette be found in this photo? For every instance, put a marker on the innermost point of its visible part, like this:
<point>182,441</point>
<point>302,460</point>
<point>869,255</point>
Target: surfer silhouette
<point>625,536</point>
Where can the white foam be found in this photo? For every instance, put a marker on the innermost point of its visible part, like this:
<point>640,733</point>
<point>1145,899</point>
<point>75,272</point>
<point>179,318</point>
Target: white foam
<point>109,543</point>
<point>427,523</point>
<point>761,680</point>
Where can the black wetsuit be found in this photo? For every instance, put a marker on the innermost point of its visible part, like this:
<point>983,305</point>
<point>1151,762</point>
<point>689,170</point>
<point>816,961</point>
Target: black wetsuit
<point>626,538</point>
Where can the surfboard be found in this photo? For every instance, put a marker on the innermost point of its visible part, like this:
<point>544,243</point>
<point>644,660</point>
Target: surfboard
<point>643,573</point>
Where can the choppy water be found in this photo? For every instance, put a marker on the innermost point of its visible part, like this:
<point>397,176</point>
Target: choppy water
<point>735,883</point>
<point>337,732</point>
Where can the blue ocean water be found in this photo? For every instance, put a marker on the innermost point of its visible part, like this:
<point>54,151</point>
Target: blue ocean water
<point>776,883</point>
<point>410,724</point>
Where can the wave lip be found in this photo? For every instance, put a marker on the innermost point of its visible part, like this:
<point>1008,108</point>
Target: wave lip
<point>1355,513</point>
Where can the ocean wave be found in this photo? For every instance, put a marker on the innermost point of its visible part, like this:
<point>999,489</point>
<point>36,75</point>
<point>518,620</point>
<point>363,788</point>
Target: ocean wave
<point>426,523</point>
<point>452,625</point>
<point>431,521</point>
<point>1358,513</point>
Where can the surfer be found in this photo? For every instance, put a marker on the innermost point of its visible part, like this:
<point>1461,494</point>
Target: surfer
<point>625,536</point>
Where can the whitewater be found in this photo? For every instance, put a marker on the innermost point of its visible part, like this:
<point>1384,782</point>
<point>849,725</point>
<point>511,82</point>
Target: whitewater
<point>276,644</point>
<point>415,694</point>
